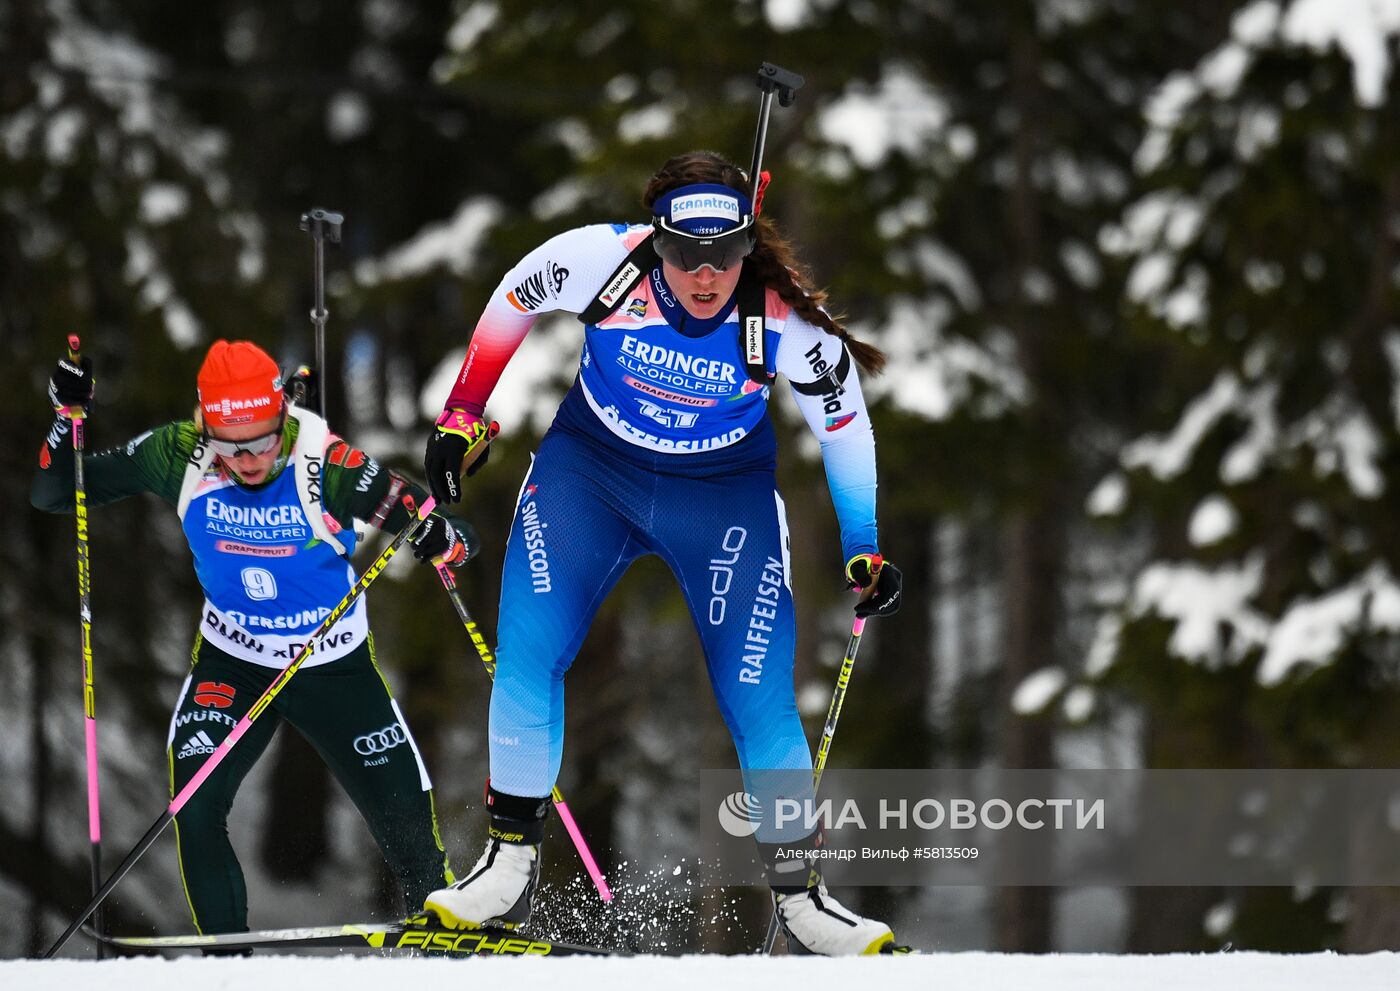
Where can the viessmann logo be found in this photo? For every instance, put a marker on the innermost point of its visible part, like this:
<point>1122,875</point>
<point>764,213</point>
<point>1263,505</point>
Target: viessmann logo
<point>229,406</point>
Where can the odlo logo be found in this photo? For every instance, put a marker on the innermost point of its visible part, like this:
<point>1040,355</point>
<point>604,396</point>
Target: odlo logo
<point>739,814</point>
<point>722,572</point>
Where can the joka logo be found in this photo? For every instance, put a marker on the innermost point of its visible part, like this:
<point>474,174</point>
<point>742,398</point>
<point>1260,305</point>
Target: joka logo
<point>214,693</point>
<point>739,814</point>
<point>378,742</point>
<point>837,422</point>
<point>199,745</point>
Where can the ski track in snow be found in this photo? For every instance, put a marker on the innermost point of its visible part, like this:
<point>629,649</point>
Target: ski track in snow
<point>990,971</point>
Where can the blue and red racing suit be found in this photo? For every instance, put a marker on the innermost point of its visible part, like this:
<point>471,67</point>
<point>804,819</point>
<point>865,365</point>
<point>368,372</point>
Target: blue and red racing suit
<point>662,446</point>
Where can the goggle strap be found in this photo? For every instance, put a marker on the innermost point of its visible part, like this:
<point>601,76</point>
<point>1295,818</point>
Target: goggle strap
<point>661,225</point>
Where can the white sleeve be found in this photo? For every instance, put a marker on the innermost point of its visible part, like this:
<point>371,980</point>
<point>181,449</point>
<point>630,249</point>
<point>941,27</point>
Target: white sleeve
<point>563,273</point>
<point>808,355</point>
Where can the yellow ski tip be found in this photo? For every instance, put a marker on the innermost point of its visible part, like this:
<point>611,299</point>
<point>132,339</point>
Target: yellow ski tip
<point>877,945</point>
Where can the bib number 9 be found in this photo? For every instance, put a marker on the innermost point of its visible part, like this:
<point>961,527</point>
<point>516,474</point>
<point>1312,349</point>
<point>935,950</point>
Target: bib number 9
<point>259,584</point>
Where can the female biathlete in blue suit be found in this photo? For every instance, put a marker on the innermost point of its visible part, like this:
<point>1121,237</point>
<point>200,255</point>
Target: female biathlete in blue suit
<point>663,446</point>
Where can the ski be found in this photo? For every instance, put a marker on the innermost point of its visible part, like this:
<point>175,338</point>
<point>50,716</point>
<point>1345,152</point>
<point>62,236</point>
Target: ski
<point>419,933</point>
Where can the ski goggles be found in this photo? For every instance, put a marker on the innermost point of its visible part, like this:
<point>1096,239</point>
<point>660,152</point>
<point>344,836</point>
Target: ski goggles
<point>692,252</point>
<point>256,446</point>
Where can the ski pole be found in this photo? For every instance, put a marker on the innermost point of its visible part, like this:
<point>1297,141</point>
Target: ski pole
<point>833,713</point>
<point>838,699</point>
<point>76,415</point>
<point>488,661</point>
<point>322,225</point>
<point>260,706</point>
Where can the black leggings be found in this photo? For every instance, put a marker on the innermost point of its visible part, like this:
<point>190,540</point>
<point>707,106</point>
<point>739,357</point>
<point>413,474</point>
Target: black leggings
<point>345,710</point>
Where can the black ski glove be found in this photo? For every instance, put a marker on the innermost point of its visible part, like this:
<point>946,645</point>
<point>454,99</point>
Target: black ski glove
<point>459,445</point>
<point>71,383</point>
<point>438,538</point>
<point>884,599</point>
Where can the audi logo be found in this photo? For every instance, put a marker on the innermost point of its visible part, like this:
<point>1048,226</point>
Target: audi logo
<point>376,743</point>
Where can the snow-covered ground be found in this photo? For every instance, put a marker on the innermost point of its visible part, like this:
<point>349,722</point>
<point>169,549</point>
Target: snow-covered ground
<point>934,972</point>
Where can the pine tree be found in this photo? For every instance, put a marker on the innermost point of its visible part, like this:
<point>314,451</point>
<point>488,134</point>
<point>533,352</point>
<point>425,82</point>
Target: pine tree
<point>115,224</point>
<point>1259,632</point>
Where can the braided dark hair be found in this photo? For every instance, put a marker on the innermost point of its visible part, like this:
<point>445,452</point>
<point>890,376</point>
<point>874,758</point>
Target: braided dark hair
<point>773,259</point>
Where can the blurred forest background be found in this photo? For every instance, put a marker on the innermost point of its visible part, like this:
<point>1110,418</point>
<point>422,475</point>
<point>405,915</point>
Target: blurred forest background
<point>1136,267</point>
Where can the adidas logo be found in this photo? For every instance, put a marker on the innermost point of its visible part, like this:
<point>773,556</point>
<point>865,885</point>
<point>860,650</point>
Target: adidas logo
<point>197,745</point>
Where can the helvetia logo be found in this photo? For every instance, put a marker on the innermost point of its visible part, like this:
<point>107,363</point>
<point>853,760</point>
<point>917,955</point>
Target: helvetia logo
<point>739,814</point>
<point>837,422</point>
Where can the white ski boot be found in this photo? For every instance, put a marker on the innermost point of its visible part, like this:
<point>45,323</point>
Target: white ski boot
<point>817,923</point>
<point>499,890</point>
